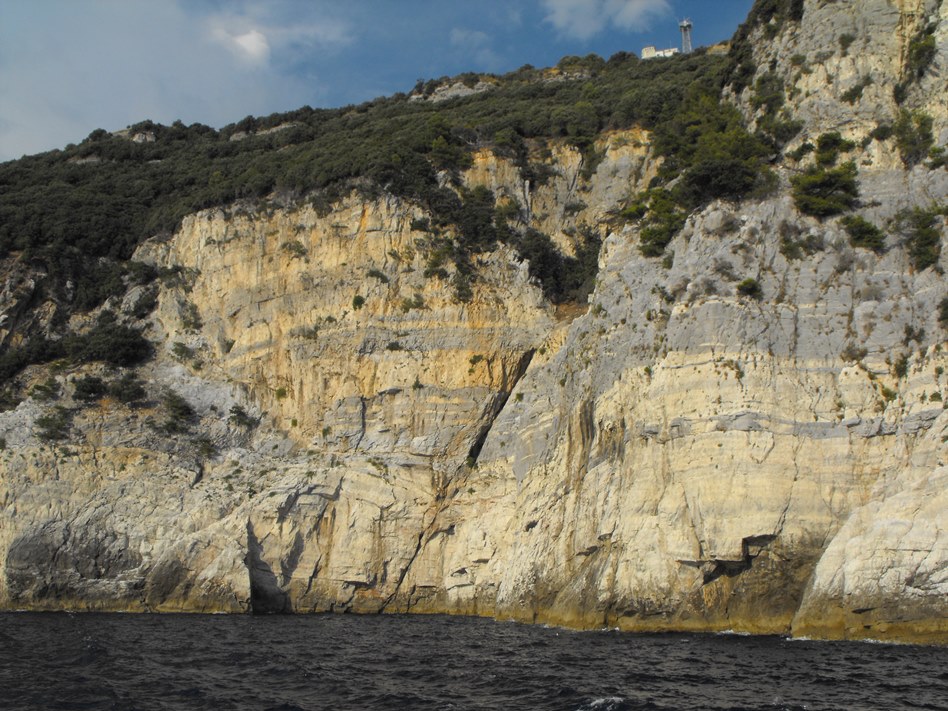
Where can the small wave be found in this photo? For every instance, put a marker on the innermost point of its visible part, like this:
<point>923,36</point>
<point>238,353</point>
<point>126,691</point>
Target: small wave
<point>608,703</point>
<point>867,640</point>
<point>733,633</point>
<point>894,643</point>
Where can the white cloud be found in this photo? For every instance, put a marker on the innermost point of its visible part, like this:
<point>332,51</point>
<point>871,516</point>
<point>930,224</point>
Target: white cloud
<point>582,19</point>
<point>251,46</point>
<point>254,32</point>
<point>475,45</point>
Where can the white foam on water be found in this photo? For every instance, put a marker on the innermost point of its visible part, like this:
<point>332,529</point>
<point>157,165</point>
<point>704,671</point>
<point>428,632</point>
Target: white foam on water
<point>603,704</point>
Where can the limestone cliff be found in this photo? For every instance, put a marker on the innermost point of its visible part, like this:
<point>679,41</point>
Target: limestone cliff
<point>748,434</point>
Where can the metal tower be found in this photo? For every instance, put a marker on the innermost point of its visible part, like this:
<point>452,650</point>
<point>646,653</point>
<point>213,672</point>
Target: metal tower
<point>685,27</point>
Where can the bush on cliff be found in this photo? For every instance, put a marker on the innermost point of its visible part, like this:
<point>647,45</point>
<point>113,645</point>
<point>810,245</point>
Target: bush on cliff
<point>922,234</point>
<point>863,233</point>
<point>913,136</point>
<point>822,192</point>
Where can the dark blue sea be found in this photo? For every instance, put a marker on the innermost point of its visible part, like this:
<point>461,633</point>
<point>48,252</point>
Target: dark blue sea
<point>285,663</point>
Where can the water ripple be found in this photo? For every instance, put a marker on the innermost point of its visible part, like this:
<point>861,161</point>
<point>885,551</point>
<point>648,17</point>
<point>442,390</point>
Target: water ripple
<point>71,662</point>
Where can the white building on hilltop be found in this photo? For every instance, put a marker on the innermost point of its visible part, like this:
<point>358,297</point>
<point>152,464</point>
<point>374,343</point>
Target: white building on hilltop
<point>651,53</point>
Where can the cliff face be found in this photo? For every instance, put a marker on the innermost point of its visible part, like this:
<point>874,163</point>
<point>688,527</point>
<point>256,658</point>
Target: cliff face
<point>682,454</point>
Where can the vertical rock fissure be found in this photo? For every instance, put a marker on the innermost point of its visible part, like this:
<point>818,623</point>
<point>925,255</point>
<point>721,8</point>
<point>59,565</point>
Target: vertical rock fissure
<point>498,405</point>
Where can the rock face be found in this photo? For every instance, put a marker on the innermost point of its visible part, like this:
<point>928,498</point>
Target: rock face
<point>682,454</point>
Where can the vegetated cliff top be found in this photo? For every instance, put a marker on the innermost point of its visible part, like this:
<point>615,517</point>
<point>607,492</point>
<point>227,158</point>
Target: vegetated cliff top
<point>112,190</point>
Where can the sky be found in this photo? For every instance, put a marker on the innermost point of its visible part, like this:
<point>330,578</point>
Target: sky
<point>68,67</point>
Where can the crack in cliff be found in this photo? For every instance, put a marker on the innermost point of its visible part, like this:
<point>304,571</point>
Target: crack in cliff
<point>778,528</point>
<point>498,405</point>
<point>404,572</point>
<point>361,423</point>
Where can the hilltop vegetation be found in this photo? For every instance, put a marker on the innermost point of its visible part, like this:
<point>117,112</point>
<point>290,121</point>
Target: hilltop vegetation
<point>79,212</point>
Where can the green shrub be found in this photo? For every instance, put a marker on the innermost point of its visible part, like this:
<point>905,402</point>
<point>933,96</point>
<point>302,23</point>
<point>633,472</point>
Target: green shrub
<point>45,391</point>
<point>853,353</point>
<point>853,95</point>
<point>778,130</point>
<point>421,224</point>
<point>110,343</point>
<point>190,316</point>
<point>795,248</point>
<point>863,233</point>
<point>749,287</point>
<point>938,158</point>
<point>922,51</point>
<point>241,418</point>
<point>882,132</point>
<point>714,178</point>
<point>140,273</point>
<point>824,192</point>
<point>463,291</point>
<point>943,313</point>
<point>913,135</point>
<point>828,147</point>
<point>54,425</point>
<point>768,93</point>
<point>358,302</point>
<point>900,367</point>
<point>450,156</point>
<point>89,388</point>
<point>128,389</point>
<point>665,219</point>
<point>182,351</point>
<point>801,151</point>
<point>295,249</point>
<point>922,235</point>
<point>204,447</point>
<point>8,399</point>
<point>179,415</point>
<point>507,211</point>
<point>416,302</point>
<point>377,274</point>
<point>145,303</point>
<point>845,41</point>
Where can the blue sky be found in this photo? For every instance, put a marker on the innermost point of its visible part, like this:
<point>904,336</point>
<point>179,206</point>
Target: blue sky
<point>68,67</point>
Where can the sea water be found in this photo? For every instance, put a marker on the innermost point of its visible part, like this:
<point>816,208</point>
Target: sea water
<point>109,661</point>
